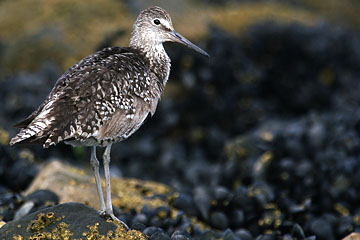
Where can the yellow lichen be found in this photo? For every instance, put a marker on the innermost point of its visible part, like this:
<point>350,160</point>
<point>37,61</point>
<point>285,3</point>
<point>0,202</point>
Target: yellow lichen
<point>42,221</point>
<point>272,217</point>
<point>27,154</point>
<point>162,214</point>
<point>132,194</point>
<point>4,137</point>
<point>18,237</point>
<point>341,209</point>
<point>79,171</point>
<point>61,231</point>
<point>120,233</point>
<point>263,161</point>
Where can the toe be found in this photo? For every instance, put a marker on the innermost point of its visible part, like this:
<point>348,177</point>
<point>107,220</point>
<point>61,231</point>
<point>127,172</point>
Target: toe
<point>112,216</point>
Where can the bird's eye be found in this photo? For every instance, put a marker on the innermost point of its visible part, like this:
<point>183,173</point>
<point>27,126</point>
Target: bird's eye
<point>157,21</point>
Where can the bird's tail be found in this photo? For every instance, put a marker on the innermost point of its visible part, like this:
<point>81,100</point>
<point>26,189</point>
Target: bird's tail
<point>32,132</point>
<point>50,126</point>
<point>29,133</point>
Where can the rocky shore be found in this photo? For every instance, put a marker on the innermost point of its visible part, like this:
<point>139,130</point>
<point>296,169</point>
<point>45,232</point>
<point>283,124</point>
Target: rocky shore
<point>261,141</point>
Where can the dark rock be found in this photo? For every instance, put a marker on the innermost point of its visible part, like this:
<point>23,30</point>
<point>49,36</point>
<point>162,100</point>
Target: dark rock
<point>140,218</point>
<point>243,234</point>
<point>156,221</point>
<point>219,220</point>
<point>211,235</point>
<point>152,230</point>
<point>178,218</point>
<point>163,212</point>
<point>345,226</point>
<point>287,237</point>
<point>265,237</point>
<point>9,203</point>
<point>41,197</point>
<point>138,226</point>
<point>298,232</point>
<point>241,198</point>
<point>159,236</point>
<point>148,212</point>
<point>222,194</point>
<point>126,218</point>
<point>72,218</point>
<point>237,218</point>
<point>202,201</point>
<point>18,181</point>
<point>180,235</point>
<point>322,229</point>
<point>185,202</point>
<point>185,225</point>
<point>263,192</point>
<point>229,235</point>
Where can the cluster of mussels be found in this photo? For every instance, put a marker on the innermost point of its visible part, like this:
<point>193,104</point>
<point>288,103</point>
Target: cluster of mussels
<point>261,141</point>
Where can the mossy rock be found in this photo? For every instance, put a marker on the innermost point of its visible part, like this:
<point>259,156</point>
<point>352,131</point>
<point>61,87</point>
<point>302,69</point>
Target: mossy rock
<point>76,185</point>
<point>67,221</point>
<point>128,194</point>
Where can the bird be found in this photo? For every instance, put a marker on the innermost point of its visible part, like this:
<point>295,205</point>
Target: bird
<point>105,97</point>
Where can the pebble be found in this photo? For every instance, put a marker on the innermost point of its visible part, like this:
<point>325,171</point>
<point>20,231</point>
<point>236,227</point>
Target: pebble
<point>237,218</point>
<point>186,203</point>
<point>222,194</point>
<point>243,234</point>
<point>159,236</point>
<point>202,201</point>
<point>219,220</point>
<point>152,230</point>
<point>140,218</point>
<point>298,232</point>
<point>42,197</point>
<point>322,229</point>
<point>180,235</point>
<point>229,235</point>
<point>138,226</point>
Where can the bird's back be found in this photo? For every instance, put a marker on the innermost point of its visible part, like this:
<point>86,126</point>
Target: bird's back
<point>104,98</point>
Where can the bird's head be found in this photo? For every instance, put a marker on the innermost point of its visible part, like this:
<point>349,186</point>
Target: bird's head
<point>154,26</point>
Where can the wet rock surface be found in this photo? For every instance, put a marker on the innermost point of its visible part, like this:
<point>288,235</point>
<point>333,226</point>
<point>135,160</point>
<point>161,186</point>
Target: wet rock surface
<point>261,141</point>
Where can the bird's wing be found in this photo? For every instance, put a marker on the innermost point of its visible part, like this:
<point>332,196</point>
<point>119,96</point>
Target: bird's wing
<point>105,84</point>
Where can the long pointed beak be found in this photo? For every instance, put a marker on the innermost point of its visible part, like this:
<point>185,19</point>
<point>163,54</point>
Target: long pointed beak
<point>177,37</point>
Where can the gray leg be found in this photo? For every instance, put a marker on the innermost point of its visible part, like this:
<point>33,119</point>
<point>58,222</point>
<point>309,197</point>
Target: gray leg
<point>106,162</point>
<point>95,167</point>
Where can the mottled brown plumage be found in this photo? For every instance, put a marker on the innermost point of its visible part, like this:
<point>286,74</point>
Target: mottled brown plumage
<point>107,96</point>
<point>107,86</point>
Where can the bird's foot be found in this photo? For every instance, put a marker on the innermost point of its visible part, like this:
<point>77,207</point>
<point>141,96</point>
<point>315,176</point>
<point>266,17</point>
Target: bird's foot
<point>112,217</point>
<point>102,212</point>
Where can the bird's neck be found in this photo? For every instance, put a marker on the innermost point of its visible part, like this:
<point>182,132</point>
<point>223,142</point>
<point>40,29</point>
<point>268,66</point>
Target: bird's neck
<point>159,62</point>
